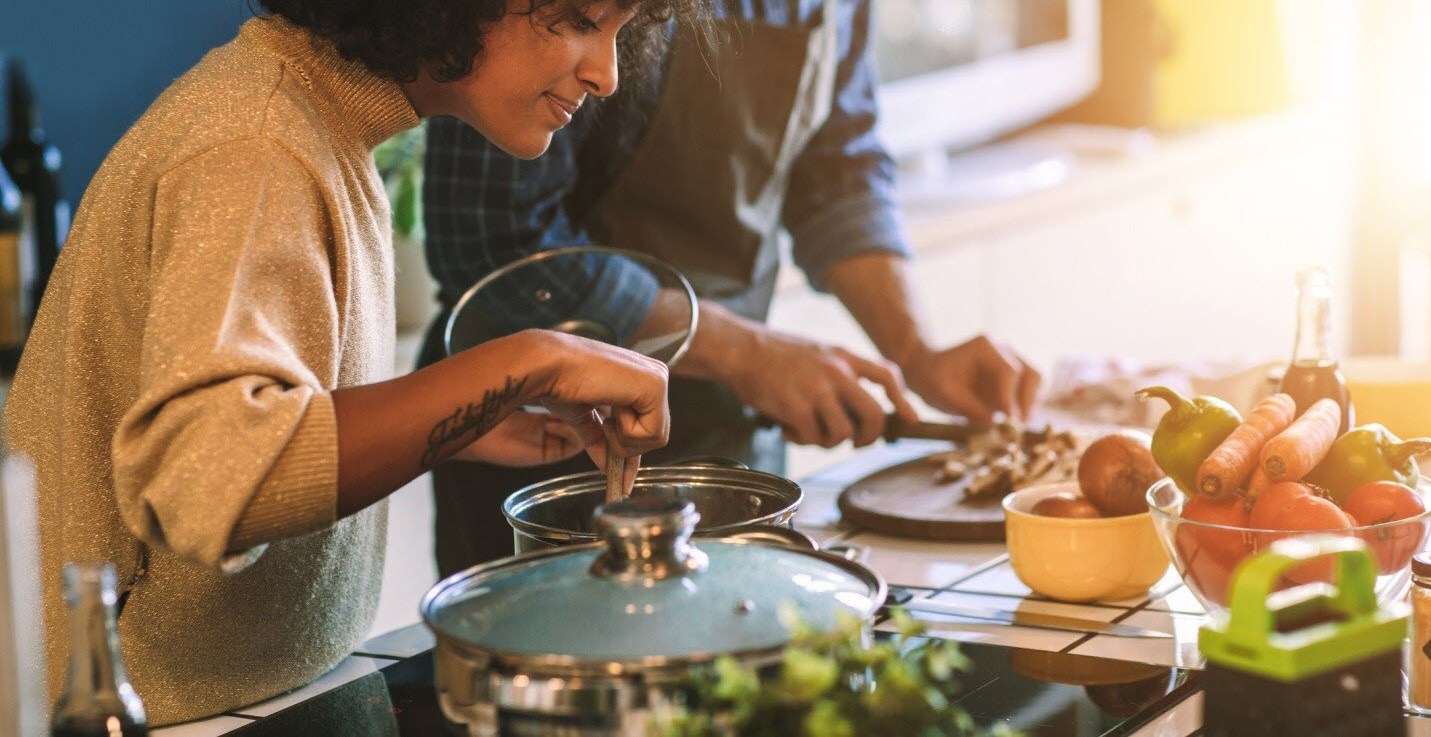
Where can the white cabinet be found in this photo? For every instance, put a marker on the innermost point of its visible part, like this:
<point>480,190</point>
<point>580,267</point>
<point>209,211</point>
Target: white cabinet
<point>1186,252</point>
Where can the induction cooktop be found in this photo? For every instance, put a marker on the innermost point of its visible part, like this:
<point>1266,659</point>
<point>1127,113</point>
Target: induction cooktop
<point>1038,693</point>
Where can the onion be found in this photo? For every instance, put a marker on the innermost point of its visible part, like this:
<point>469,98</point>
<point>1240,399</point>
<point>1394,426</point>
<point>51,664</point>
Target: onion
<point>1116,470</point>
<point>1064,504</point>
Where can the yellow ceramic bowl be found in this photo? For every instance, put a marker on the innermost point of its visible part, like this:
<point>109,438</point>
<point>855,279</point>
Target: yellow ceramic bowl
<point>1392,392</point>
<point>1105,558</point>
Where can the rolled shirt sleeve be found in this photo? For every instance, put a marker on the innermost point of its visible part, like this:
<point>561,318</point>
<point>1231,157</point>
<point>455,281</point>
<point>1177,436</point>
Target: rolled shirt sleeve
<point>841,199</point>
<point>232,442</point>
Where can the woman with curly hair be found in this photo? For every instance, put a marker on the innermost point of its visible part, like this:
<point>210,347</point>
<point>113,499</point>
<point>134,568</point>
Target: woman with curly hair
<point>206,393</point>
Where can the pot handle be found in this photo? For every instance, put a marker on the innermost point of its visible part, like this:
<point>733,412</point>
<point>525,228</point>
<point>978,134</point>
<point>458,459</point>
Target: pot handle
<point>854,553</point>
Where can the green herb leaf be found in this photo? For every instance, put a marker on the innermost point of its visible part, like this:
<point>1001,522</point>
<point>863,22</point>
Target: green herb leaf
<point>834,683</point>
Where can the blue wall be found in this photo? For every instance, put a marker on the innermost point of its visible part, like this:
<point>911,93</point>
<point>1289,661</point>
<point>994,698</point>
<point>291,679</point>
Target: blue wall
<point>97,64</point>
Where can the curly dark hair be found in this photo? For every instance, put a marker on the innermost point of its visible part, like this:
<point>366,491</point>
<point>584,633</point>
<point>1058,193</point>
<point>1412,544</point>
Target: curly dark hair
<point>395,38</point>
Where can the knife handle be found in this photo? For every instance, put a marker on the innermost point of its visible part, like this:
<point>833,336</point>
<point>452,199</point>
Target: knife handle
<point>896,427</point>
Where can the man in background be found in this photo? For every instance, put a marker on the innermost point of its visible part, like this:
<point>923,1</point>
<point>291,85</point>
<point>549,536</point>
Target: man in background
<point>765,127</point>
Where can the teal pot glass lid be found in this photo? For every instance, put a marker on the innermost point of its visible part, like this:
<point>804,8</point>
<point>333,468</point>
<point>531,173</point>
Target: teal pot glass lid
<point>647,595</point>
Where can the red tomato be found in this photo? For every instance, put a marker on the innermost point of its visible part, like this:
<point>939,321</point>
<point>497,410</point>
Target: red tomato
<point>1227,546</point>
<point>1301,515</point>
<point>1378,502</point>
<point>1272,503</point>
<point>1207,557</point>
<point>1207,574</point>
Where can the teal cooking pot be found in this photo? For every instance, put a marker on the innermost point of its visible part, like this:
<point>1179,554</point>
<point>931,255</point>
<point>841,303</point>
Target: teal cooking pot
<point>586,639</point>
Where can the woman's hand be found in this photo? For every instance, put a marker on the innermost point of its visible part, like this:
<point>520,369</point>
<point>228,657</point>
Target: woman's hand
<point>391,431</point>
<point>586,377</point>
<point>595,431</point>
<point>534,439</point>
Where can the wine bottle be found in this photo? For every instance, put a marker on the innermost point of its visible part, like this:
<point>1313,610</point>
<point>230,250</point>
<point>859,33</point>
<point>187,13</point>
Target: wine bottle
<point>97,700</point>
<point>17,273</point>
<point>1314,372</point>
<point>34,165</point>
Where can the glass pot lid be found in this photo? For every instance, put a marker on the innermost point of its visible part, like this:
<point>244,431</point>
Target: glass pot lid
<point>646,595</point>
<point>572,290</point>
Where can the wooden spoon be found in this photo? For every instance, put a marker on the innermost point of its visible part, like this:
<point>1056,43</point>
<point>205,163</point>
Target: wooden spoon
<point>615,475</point>
<point>615,470</point>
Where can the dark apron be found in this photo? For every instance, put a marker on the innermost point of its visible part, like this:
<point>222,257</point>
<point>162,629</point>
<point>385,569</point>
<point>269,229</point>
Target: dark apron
<point>704,193</point>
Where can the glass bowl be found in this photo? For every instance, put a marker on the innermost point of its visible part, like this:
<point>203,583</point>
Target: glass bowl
<point>1206,554</point>
<point>615,296</point>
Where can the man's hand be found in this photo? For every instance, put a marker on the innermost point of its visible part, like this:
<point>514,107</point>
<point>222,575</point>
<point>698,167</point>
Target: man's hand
<point>974,379</point>
<point>813,391</point>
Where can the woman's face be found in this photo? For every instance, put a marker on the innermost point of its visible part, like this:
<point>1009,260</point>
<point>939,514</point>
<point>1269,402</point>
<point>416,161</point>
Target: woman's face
<point>535,69</point>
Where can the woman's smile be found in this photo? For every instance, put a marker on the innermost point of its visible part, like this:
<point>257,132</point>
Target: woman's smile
<point>562,108</point>
<point>534,71</point>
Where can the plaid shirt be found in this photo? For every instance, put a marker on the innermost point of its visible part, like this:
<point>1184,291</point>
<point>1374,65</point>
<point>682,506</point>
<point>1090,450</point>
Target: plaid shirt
<point>484,208</point>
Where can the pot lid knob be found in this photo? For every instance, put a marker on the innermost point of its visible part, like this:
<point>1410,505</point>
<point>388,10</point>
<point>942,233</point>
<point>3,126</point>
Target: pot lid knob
<point>648,536</point>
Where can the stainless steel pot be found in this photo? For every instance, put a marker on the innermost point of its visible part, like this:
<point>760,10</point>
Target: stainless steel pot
<point>770,534</point>
<point>560,511</point>
<point>588,639</point>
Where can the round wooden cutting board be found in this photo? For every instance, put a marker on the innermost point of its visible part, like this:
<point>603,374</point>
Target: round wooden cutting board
<point>908,500</point>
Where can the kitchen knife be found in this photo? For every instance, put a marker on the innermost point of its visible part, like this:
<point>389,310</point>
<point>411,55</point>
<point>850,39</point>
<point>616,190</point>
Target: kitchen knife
<point>896,427</point>
<point>958,432</point>
<point>1032,619</point>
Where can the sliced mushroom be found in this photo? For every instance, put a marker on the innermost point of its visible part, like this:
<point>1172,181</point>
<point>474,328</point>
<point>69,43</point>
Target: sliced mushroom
<point>943,457</point>
<point>1043,462</point>
<point>989,481</point>
<point>952,470</point>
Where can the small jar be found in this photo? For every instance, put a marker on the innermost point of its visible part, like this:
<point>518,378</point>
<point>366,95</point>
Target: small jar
<point>1418,687</point>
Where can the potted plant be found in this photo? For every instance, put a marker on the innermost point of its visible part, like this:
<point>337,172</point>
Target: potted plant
<point>399,162</point>
<point>832,684</point>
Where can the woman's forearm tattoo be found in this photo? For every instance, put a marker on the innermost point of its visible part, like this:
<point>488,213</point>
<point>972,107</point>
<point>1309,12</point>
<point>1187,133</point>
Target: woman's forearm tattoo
<point>470,421</point>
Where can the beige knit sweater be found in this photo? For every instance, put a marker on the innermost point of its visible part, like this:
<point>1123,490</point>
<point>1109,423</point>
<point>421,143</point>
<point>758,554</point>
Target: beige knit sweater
<point>230,265</point>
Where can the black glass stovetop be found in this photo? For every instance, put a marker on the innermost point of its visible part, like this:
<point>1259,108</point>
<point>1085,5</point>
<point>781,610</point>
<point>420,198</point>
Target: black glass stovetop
<point>1038,693</point>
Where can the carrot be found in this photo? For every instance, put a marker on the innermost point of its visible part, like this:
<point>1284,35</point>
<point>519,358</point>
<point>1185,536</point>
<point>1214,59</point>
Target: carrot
<point>1257,483</point>
<point>1299,448</point>
<point>1228,465</point>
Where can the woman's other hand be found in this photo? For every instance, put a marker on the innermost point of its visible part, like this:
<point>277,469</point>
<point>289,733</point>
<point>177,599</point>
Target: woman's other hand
<point>524,439</point>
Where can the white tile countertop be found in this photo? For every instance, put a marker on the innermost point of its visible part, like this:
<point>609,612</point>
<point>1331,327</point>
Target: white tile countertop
<point>965,574</point>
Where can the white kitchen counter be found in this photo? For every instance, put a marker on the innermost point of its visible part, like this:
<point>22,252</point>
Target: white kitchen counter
<point>971,574</point>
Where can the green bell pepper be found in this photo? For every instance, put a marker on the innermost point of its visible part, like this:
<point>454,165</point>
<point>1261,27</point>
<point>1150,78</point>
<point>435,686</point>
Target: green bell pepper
<point>1188,433</point>
<point>1367,453</point>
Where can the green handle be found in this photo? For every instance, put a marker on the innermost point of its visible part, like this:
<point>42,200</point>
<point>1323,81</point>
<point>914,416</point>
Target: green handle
<point>1250,620</point>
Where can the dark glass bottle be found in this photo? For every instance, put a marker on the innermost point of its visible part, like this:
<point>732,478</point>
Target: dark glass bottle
<point>17,269</point>
<point>34,165</point>
<point>97,700</point>
<point>1314,372</point>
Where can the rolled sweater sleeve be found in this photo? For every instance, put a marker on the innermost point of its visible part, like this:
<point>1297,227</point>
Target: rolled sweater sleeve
<point>232,442</point>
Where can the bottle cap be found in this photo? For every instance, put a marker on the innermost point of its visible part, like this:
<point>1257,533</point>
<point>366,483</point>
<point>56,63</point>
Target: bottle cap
<point>1421,564</point>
